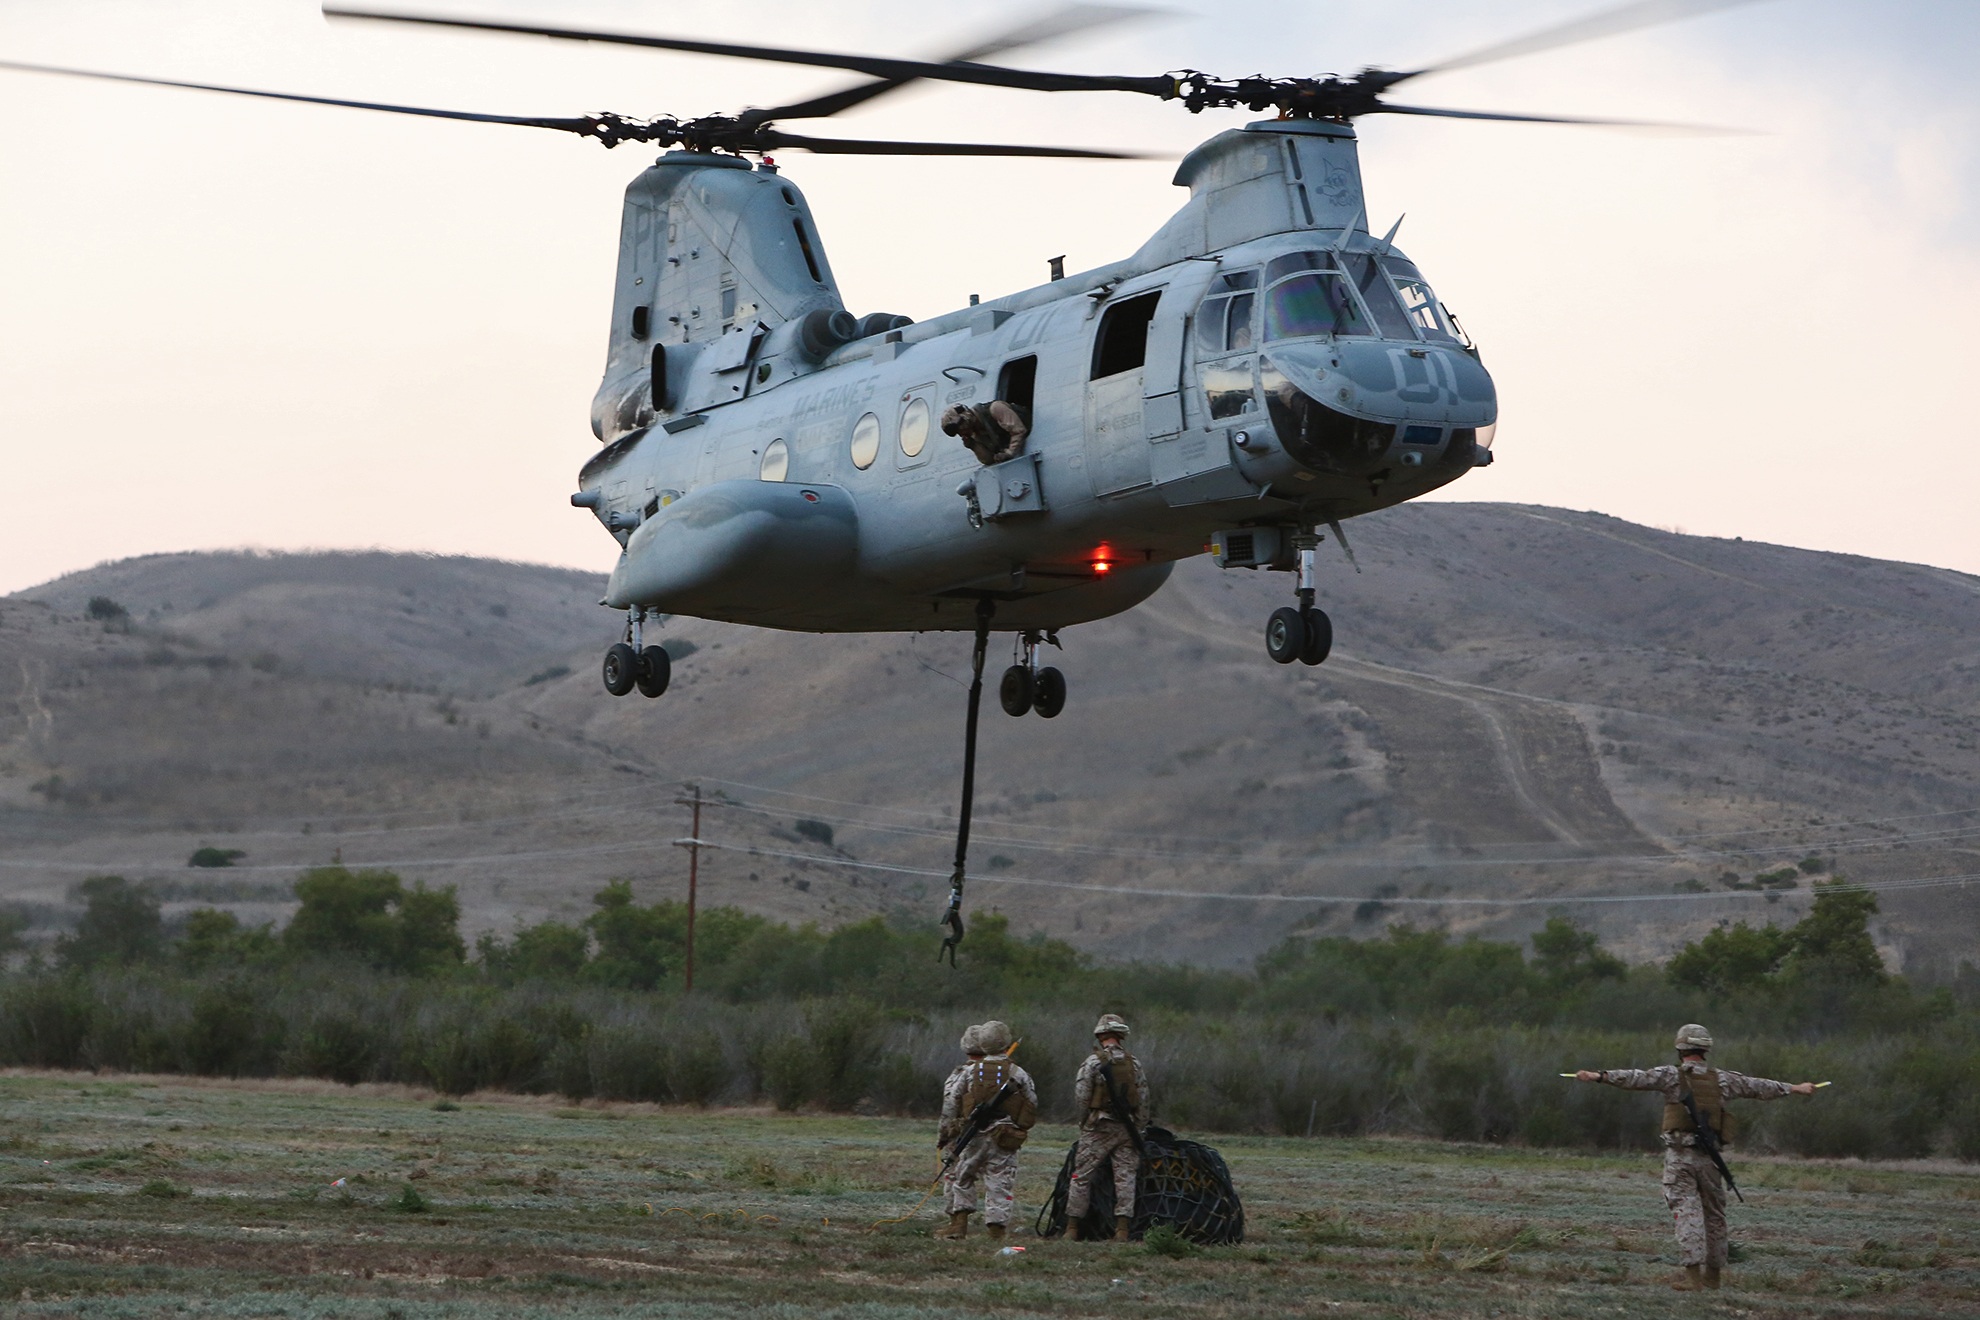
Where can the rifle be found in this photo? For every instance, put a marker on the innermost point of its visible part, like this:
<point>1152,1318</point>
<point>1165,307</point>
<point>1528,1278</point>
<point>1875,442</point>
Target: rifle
<point>1117,1108</point>
<point>1707,1136</point>
<point>980,1118</point>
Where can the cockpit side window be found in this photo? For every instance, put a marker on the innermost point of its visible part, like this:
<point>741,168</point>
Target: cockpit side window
<point>1421,305</point>
<point>1380,296</point>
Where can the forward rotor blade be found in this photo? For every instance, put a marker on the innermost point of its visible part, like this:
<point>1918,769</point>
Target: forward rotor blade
<point>1590,27</point>
<point>772,140</point>
<point>876,66</point>
<point>582,126</point>
<point>1060,22</point>
<point>1434,112</point>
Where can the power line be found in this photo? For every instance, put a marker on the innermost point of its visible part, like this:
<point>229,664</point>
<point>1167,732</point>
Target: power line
<point>1920,882</point>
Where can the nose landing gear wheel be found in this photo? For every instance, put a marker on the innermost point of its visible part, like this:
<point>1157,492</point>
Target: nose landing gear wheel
<point>621,669</point>
<point>1285,635</point>
<point>1014,693</point>
<point>1048,697</point>
<point>656,668</point>
<point>1317,636</point>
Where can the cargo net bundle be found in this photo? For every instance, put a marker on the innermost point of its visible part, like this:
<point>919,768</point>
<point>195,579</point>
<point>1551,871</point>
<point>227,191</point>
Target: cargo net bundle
<point>1183,1184</point>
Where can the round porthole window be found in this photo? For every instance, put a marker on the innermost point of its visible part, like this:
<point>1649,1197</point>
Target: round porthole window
<point>866,441</point>
<point>776,461</point>
<point>914,427</point>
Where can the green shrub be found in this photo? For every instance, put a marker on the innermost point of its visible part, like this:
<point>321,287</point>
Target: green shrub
<point>789,1069</point>
<point>120,925</point>
<point>697,1068</point>
<point>410,1202</point>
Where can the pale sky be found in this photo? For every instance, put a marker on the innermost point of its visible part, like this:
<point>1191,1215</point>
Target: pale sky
<point>227,322</point>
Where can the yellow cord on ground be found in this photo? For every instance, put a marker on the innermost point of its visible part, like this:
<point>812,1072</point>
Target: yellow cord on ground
<point>932,1189</point>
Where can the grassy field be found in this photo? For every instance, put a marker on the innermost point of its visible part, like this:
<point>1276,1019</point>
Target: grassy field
<point>154,1196</point>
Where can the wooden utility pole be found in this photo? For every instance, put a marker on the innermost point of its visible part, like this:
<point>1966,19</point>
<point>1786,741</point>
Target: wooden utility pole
<point>693,844</point>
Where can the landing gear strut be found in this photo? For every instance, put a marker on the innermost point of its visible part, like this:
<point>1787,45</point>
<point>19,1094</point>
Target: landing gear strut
<point>1304,634</point>
<point>632,664</point>
<point>1026,687</point>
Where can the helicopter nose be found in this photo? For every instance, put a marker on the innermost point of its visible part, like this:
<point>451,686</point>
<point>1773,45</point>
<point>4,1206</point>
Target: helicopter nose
<point>1352,409</point>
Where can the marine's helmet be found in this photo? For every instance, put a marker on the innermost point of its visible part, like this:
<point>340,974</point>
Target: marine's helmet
<point>1110,1024</point>
<point>1691,1036</point>
<point>993,1037</point>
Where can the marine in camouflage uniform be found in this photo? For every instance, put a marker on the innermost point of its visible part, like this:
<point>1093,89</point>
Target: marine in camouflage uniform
<point>1693,1188</point>
<point>990,1160</point>
<point>995,432</point>
<point>1102,1135</point>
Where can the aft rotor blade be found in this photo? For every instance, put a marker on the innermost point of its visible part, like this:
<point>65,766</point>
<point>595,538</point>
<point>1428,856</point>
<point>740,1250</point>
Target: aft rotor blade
<point>1060,22</point>
<point>584,126</point>
<point>1589,27</point>
<point>772,140</point>
<point>876,66</point>
<point>1438,113</point>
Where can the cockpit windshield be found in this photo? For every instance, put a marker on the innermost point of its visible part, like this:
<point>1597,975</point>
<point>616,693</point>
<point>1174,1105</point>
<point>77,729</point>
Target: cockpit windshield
<point>1380,296</point>
<point>1313,303</point>
<point>1421,305</point>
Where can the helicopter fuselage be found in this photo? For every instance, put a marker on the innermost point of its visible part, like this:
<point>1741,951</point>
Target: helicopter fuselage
<point>1263,366</point>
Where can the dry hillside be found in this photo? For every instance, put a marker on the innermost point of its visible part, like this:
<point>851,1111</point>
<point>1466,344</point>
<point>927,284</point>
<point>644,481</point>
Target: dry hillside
<point>1524,702</point>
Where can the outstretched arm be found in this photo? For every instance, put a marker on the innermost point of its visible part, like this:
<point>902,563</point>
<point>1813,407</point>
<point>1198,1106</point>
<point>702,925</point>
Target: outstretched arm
<point>1661,1078</point>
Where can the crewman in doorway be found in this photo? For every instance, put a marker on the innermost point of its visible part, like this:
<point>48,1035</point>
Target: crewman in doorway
<point>995,431</point>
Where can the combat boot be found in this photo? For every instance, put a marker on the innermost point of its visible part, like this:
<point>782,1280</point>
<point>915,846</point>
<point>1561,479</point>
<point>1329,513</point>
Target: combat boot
<point>1072,1230</point>
<point>996,1232</point>
<point>957,1227</point>
<point>1712,1277</point>
<point>1120,1228</point>
<point>1693,1280</point>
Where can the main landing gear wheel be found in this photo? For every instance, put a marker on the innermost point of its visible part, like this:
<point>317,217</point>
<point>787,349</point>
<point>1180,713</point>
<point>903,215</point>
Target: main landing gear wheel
<point>621,669</point>
<point>1048,693</point>
<point>1015,692</point>
<point>1285,635</point>
<point>1316,636</point>
<point>656,667</point>
<point>1026,687</point>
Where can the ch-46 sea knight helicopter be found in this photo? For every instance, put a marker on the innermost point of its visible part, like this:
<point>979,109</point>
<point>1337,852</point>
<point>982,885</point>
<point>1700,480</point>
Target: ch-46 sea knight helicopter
<point>1263,367</point>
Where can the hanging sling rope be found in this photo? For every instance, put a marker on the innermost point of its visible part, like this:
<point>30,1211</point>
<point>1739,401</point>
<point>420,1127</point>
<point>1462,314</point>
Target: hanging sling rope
<point>953,917</point>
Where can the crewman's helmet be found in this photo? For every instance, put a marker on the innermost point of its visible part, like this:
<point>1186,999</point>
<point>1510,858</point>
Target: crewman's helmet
<point>1110,1024</point>
<point>1691,1036</point>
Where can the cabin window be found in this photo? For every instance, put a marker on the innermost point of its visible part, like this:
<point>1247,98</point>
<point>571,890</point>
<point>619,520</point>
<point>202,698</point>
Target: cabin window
<point>915,425</point>
<point>1380,296</point>
<point>659,378</point>
<point>1122,344</point>
<point>641,321</point>
<point>729,303</point>
<point>1315,303</point>
<point>776,461</point>
<point>865,441</point>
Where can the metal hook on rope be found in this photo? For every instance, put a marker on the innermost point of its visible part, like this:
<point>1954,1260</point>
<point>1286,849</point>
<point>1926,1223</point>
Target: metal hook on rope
<point>953,917</point>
